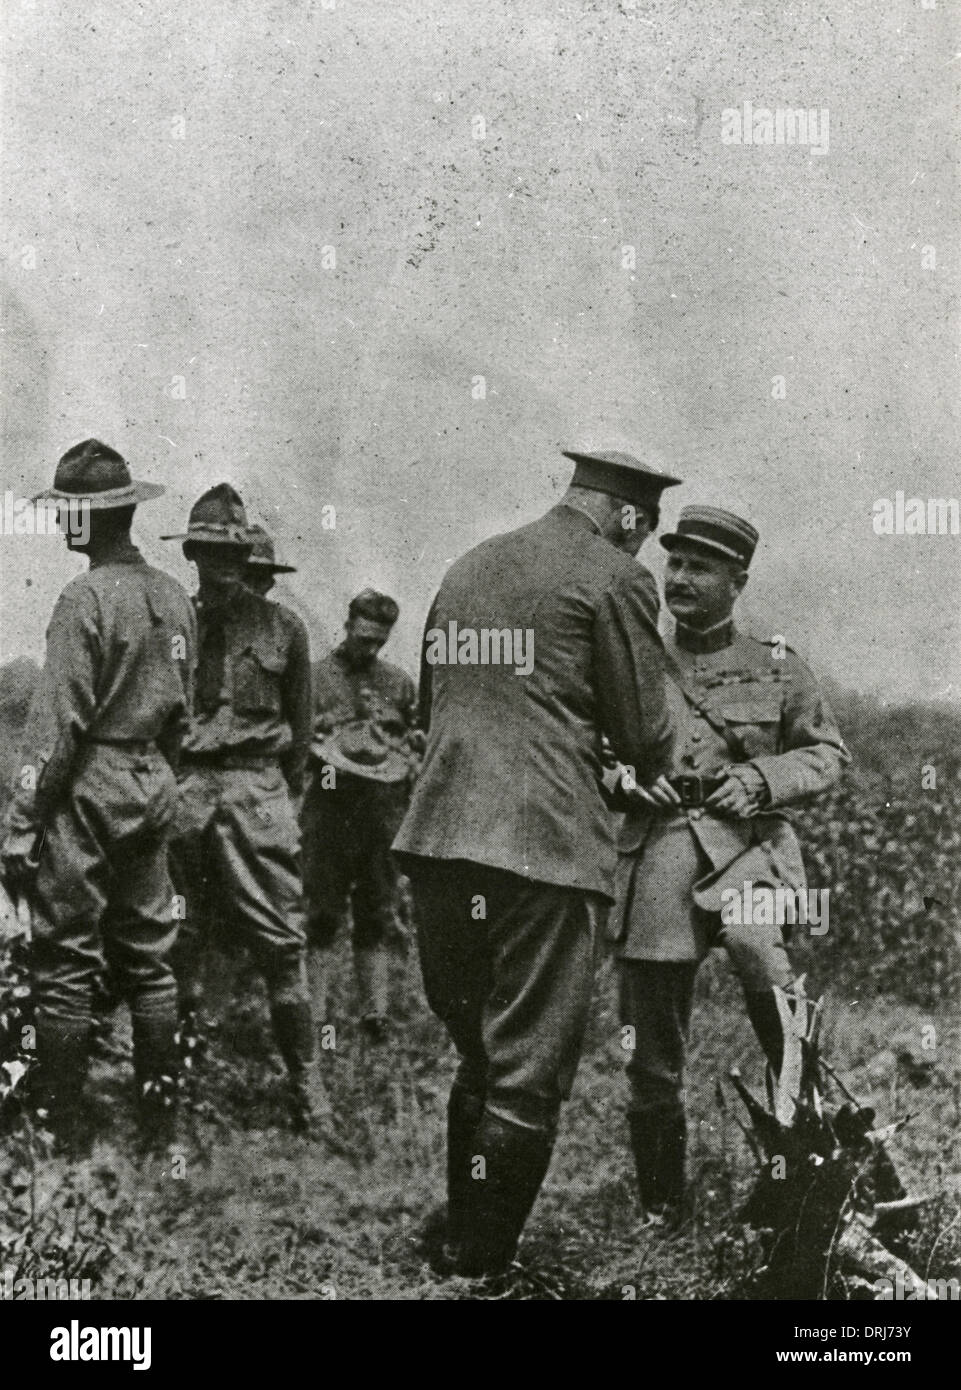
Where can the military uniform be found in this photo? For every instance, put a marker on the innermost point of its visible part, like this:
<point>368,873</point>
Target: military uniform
<point>109,715</point>
<point>508,842</point>
<point>349,821</point>
<point>236,850</point>
<point>243,759</point>
<point>749,704</point>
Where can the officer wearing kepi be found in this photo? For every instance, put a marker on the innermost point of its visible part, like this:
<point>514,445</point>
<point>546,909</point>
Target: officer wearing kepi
<point>236,853</point>
<point>508,842</point>
<point>754,737</point>
<point>103,739</point>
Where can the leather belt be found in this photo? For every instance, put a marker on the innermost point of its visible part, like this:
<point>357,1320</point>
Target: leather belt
<point>694,789</point>
<point>129,745</point>
<point>231,762</point>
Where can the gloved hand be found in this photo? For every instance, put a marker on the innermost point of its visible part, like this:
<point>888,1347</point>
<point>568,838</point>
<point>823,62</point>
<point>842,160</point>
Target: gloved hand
<point>742,793</point>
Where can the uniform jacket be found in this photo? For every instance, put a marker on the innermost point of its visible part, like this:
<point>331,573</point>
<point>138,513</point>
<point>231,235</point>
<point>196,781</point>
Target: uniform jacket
<point>380,691</point>
<point>512,774</point>
<point>253,684</point>
<point>780,725</point>
<point>120,652</point>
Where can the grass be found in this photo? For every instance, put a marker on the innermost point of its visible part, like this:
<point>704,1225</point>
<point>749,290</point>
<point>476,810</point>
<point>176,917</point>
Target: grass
<point>261,1214</point>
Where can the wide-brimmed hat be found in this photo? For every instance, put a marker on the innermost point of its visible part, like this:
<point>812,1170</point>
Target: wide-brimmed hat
<point>263,554</point>
<point>360,748</point>
<point>712,529</point>
<point>96,476</point>
<point>217,518</point>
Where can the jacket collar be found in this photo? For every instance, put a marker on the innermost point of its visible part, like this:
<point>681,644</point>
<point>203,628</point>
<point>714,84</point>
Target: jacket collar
<point>340,654</point>
<point>574,515</point>
<point>122,552</point>
<point>701,640</point>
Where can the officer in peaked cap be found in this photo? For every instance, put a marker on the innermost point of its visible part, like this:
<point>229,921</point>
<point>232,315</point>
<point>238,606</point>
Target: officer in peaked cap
<point>619,475</point>
<point>110,712</point>
<point>508,841</point>
<point>236,852</point>
<point>262,566</point>
<point>754,736</point>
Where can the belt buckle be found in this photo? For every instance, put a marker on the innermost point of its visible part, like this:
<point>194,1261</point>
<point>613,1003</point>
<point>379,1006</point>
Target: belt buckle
<point>690,789</point>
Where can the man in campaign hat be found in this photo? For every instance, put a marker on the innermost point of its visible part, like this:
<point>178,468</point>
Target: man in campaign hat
<point>754,737</point>
<point>262,566</point>
<point>236,850</point>
<point>95,797</point>
<point>508,841</point>
<point>365,712</point>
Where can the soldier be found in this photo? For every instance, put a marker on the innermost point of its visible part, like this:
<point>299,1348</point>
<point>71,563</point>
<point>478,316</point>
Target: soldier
<point>365,714</point>
<point>754,736</point>
<point>262,567</point>
<point>236,849</point>
<point>104,737</point>
<point>508,841</point>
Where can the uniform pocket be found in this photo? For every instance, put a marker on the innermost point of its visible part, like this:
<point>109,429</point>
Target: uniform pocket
<point>160,786</point>
<point>256,680</point>
<point>756,725</point>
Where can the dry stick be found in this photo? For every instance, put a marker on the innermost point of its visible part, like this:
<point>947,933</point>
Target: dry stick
<point>902,1204</point>
<point>953,1222</point>
<point>834,1077</point>
<point>834,1235</point>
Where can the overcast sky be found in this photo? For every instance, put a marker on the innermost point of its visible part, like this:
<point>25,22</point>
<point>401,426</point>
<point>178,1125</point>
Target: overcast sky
<point>172,175</point>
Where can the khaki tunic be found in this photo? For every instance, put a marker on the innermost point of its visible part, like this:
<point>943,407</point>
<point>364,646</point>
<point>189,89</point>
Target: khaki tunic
<point>108,717</point>
<point>236,855</point>
<point>782,726</point>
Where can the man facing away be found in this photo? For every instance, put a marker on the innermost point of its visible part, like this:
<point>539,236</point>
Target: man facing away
<point>103,739</point>
<point>754,736</point>
<point>539,642</point>
<point>365,711</point>
<point>235,854</point>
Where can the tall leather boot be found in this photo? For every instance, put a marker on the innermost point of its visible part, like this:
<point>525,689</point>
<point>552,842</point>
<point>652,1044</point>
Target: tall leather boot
<point>370,973</point>
<point>464,1111</point>
<point>63,1049</point>
<point>294,1035</point>
<point>318,980</point>
<point>156,1061</point>
<point>443,1227</point>
<point>659,1141</point>
<point>766,1022</point>
<point>496,1206</point>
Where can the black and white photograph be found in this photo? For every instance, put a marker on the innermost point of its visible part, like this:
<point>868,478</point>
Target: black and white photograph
<point>480,663</point>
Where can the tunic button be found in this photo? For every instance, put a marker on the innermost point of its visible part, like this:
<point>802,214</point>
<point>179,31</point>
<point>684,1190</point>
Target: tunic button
<point>695,738</point>
<point>695,815</point>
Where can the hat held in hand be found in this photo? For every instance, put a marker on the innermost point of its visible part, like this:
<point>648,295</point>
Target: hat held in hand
<point>360,748</point>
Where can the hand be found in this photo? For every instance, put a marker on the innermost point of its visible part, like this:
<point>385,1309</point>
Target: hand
<point>17,864</point>
<point>417,741</point>
<point>659,794</point>
<point>735,797</point>
<point>608,756</point>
